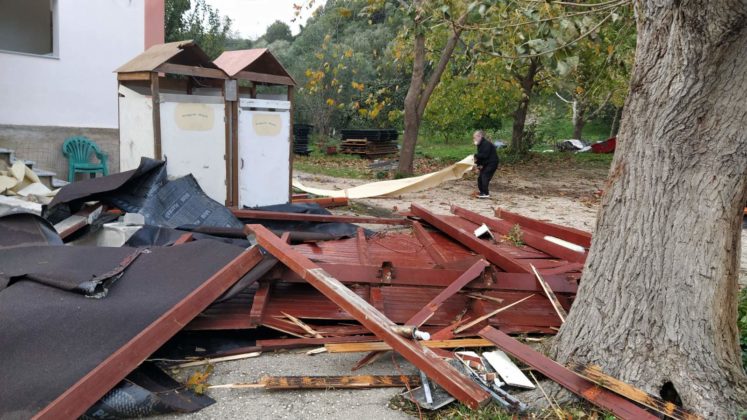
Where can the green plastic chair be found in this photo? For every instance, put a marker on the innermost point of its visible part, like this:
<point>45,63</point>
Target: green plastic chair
<point>78,151</point>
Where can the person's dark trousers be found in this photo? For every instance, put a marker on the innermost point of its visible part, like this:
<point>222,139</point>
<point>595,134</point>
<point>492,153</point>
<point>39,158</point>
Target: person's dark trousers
<point>483,179</point>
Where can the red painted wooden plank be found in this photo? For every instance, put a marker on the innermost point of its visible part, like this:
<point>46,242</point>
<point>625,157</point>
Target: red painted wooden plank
<point>576,236</point>
<point>84,393</point>
<point>429,244</point>
<point>566,378</point>
<point>529,237</point>
<point>325,202</point>
<point>258,305</point>
<point>304,217</point>
<point>187,237</point>
<point>362,247</point>
<point>468,239</point>
<point>442,277</point>
<point>456,384</point>
<point>428,310</point>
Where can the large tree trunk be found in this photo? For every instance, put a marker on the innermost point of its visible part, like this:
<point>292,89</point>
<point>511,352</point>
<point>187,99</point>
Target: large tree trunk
<point>527,82</point>
<point>412,119</point>
<point>657,304</point>
<point>420,92</point>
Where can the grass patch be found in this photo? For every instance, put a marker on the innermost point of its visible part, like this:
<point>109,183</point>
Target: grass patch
<point>445,152</point>
<point>340,166</point>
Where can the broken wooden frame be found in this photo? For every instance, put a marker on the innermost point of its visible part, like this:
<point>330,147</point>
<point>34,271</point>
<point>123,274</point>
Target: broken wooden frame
<point>572,235</point>
<point>596,375</point>
<point>468,239</point>
<point>565,378</point>
<point>528,236</point>
<point>89,389</point>
<point>461,387</point>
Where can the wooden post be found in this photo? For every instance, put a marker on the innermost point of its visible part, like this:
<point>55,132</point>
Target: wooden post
<point>290,148</point>
<point>235,151</point>
<point>228,156</point>
<point>156,98</point>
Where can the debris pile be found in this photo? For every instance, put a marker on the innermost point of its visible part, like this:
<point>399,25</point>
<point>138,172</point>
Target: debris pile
<point>21,186</point>
<point>82,324</point>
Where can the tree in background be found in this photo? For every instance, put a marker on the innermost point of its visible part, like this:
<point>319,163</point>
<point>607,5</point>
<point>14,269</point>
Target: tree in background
<point>277,31</point>
<point>657,303</point>
<point>424,16</point>
<point>601,76</point>
<point>540,43</point>
<point>342,60</point>
<point>198,21</point>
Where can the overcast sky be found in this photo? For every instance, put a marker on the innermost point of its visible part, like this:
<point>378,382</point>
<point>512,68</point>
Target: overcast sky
<point>251,17</point>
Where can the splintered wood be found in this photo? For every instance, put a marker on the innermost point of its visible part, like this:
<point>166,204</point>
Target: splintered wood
<point>584,388</point>
<point>381,346</point>
<point>461,387</point>
<point>328,382</point>
<point>596,375</point>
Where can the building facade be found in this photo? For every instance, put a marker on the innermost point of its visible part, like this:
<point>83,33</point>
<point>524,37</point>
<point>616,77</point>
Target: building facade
<point>57,62</point>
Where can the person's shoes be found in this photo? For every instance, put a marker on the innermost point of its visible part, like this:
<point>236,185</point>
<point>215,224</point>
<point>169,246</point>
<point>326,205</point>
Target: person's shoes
<point>483,196</point>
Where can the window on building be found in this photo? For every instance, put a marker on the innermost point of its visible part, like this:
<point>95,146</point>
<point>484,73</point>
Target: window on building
<point>28,26</point>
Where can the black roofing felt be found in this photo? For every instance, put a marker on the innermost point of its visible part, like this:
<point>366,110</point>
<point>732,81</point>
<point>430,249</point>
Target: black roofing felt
<point>52,337</point>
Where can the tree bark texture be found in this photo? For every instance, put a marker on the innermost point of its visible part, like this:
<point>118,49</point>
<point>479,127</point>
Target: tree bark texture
<point>657,302</point>
<point>412,120</point>
<point>527,83</point>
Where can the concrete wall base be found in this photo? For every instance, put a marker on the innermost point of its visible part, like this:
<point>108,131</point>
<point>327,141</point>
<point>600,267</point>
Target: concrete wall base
<point>43,144</point>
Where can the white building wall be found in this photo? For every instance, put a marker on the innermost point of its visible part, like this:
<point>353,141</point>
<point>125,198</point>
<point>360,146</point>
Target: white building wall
<point>78,88</point>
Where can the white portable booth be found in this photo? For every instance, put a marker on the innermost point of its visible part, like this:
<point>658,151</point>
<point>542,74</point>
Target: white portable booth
<point>262,137</point>
<point>182,120</point>
<point>175,104</point>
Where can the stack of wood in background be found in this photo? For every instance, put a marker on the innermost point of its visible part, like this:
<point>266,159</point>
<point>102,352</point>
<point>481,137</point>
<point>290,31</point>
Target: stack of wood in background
<point>369,143</point>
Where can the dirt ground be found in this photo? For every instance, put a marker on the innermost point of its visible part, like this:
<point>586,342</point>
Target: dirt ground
<point>565,196</point>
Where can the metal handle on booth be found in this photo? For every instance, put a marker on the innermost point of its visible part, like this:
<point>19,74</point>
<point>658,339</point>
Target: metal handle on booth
<point>242,163</point>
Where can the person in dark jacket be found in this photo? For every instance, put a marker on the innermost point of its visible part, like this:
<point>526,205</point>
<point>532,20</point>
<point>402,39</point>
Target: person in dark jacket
<point>486,160</point>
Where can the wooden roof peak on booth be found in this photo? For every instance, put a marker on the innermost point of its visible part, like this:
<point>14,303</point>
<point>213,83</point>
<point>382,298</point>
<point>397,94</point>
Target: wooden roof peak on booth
<point>257,65</point>
<point>180,53</point>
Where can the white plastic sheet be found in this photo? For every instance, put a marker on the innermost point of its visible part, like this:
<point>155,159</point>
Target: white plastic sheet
<point>396,186</point>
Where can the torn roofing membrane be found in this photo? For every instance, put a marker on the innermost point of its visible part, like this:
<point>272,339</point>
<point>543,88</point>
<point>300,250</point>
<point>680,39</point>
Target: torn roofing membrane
<point>51,337</point>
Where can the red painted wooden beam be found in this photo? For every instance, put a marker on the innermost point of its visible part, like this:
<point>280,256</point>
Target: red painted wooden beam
<point>586,389</point>
<point>428,310</point>
<point>493,254</point>
<point>455,383</point>
<point>576,236</point>
<point>430,245</point>
<point>304,217</point>
<point>529,237</point>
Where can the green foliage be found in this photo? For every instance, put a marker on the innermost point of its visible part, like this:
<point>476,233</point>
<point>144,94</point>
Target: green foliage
<point>277,31</point>
<point>342,62</point>
<point>353,63</point>
<point>199,22</point>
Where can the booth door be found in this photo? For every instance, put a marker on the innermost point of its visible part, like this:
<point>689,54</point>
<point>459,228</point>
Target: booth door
<point>264,152</point>
<point>193,141</point>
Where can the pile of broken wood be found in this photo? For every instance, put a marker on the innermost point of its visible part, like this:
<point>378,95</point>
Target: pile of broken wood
<point>440,283</point>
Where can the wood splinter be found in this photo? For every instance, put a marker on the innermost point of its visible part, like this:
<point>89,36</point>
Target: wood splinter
<point>595,374</point>
<point>327,382</point>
